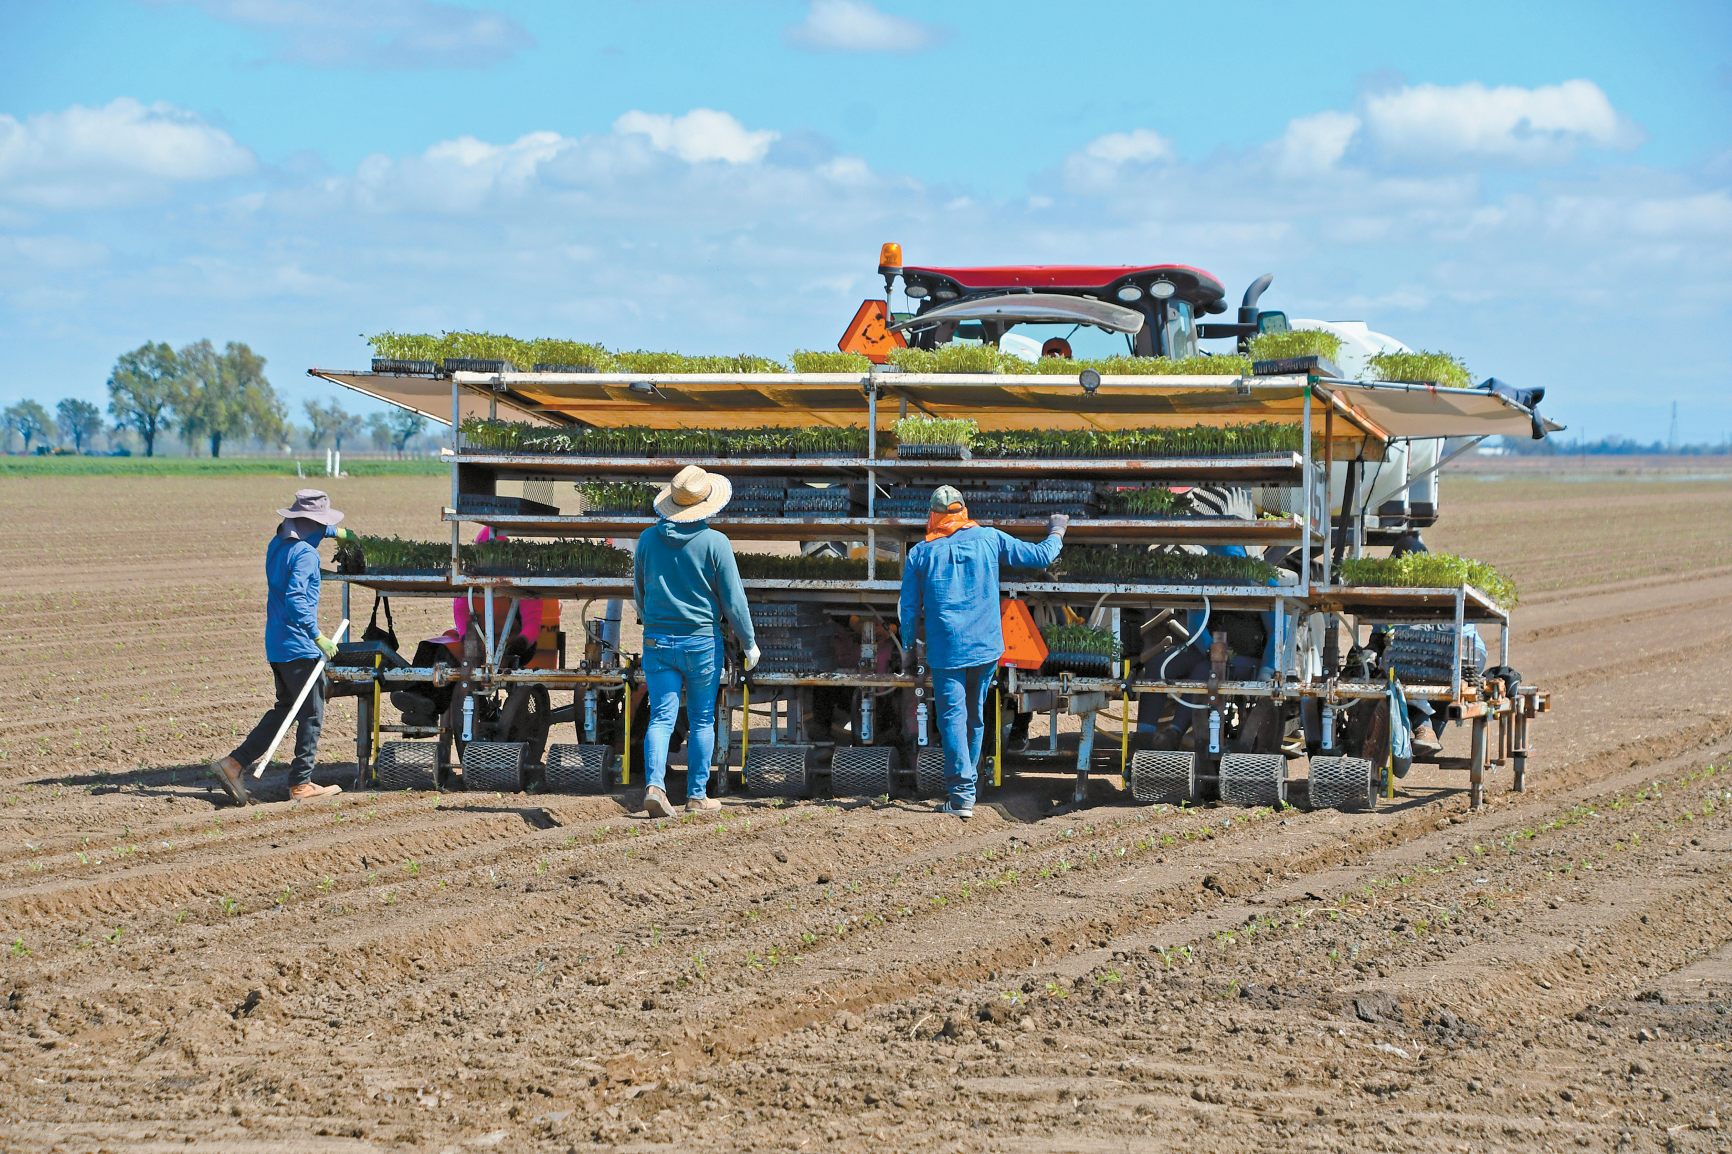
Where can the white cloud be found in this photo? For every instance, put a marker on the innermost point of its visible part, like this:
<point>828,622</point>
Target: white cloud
<point>1544,125</point>
<point>1312,145</point>
<point>380,34</point>
<point>701,134</point>
<point>1139,146</point>
<point>857,26</point>
<point>121,153</point>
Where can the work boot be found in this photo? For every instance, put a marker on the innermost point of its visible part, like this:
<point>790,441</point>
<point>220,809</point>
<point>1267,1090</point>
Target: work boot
<point>702,804</point>
<point>1425,743</point>
<point>307,791</point>
<point>1167,738</point>
<point>232,776</point>
<point>655,802</point>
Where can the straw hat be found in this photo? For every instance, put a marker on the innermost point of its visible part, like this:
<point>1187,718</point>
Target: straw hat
<point>314,506</point>
<point>694,495</point>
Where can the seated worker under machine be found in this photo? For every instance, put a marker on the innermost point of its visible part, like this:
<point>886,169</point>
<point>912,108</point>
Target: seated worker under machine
<point>425,705</point>
<point>1250,656</point>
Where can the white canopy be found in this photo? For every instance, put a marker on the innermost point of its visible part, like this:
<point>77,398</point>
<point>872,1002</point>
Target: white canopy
<point>1413,411</point>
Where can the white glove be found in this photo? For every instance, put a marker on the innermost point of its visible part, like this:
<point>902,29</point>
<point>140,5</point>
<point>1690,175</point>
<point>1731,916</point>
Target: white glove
<point>752,656</point>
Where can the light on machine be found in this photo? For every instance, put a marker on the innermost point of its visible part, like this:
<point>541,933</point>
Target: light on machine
<point>1161,289</point>
<point>914,291</point>
<point>1130,293</point>
<point>890,258</point>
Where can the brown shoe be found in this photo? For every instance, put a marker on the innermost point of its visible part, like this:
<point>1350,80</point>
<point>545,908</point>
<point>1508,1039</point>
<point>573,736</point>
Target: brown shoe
<point>232,776</point>
<point>307,791</point>
<point>655,802</point>
<point>1425,743</point>
<point>702,804</point>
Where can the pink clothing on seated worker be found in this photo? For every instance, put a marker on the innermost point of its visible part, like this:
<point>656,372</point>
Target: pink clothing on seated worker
<point>528,609</point>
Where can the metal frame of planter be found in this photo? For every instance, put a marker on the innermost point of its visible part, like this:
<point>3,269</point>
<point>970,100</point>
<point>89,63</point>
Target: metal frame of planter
<point>745,400</point>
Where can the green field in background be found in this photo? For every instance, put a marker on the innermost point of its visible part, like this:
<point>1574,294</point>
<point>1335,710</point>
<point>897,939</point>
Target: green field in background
<point>312,466</point>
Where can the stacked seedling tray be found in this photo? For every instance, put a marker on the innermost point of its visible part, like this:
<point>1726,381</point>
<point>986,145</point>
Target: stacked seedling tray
<point>794,638</point>
<point>1079,649</point>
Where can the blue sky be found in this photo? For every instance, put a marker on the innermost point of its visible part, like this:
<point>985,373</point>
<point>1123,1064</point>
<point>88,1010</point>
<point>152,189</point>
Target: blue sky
<point>1542,189</point>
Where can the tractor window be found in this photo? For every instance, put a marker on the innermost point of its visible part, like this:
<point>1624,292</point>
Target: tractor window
<point>1181,335</point>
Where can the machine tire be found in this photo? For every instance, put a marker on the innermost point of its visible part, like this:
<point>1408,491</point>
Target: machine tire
<point>862,771</point>
<point>929,772</point>
<point>405,764</point>
<point>777,771</point>
<point>579,769</point>
<point>1254,779</point>
<point>1162,775</point>
<point>1342,783</point>
<point>495,766</point>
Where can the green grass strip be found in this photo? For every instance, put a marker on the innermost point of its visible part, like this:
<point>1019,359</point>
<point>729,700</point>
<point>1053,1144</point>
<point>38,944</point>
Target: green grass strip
<point>312,466</point>
<point>1430,571</point>
<point>808,361</point>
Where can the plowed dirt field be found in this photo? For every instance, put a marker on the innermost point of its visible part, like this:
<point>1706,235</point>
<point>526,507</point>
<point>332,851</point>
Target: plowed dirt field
<point>427,972</point>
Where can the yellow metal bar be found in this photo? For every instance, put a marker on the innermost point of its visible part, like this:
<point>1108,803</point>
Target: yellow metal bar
<point>1125,721</point>
<point>625,753</point>
<point>745,720</point>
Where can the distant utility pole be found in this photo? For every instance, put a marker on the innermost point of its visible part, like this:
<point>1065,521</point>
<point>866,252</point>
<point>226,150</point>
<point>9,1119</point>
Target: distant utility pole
<point>1672,438</point>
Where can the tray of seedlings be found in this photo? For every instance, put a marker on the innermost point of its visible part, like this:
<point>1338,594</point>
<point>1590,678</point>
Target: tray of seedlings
<point>1135,565</point>
<point>489,436</point>
<point>616,498</point>
<point>1429,571</point>
<point>562,558</point>
<point>1080,650</point>
<point>798,567</point>
<point>392,557</point>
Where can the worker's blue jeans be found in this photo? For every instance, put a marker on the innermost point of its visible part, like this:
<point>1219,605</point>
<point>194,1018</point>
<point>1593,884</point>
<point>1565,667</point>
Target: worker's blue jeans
<point>961,702</point>
<point>289,676</point>
<point>694,662</point>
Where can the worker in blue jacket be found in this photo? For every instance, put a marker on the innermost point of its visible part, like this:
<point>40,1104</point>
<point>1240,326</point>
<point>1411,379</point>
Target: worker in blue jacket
<point>950,583</point>
<point>294,644</point>
<point>686,583</point>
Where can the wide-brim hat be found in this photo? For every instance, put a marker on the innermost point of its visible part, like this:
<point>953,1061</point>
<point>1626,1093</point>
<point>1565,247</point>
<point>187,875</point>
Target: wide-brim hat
<point>314,505</point>
<point>694,495</point>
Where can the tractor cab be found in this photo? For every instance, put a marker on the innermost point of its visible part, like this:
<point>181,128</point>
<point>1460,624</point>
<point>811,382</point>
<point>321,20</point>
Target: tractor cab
<point>1033,311</point>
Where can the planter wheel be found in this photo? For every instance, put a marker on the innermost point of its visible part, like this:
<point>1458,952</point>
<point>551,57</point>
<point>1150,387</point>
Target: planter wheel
<point>579,769</point>
<point>777,771</point>
<point>493,765</point>
<point>405,764</point>
<point>1254,779</point>
<point>862,771</point>
<point>1161,775</point>
<point>1343,783</point>
<point>929,772</point>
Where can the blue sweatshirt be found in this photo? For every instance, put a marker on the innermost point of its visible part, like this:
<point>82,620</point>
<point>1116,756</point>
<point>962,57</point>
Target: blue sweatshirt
<point>953,584</point>
<point>292,607</point>
<point>684,580</point>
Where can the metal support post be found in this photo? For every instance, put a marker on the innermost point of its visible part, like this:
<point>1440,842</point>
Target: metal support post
<point>1304,488</point>
<point>1084,751</point>
<point>871,473</point>
<point>1476,764</point>
<point>1455,666</point>
<point>1519,745</point>
<point>487,620</point>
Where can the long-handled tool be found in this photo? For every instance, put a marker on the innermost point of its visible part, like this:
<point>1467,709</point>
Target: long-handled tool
<point>300,699</point>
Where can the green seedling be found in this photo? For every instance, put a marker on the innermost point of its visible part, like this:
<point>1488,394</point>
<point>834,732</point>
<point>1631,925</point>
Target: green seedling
<point>230,906</point>
<point>18,948</point>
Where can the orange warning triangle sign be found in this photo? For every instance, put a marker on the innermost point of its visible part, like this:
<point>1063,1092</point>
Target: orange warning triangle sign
<point>1023,646</point>
<point>868,335</point>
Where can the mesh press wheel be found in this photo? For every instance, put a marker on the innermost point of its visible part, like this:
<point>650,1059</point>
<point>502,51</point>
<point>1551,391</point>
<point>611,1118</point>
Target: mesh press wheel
<point>495,766</point>
<point>1162,775</point>
<point>862,771</point>
<point>929,773</point>
<point>1254,779</point>
<point>405,764</point>
<point>579,768</point>
<point>776,771</point>
<point>1343,783</point>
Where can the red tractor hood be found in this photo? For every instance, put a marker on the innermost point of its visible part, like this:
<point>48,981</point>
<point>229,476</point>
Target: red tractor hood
<point>1200,288</point>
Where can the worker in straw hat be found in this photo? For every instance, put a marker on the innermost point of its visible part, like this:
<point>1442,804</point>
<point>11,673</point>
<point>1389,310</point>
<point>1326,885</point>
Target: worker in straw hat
<point>950,583</point>
<point>293,646</point>
<point>685,581</point>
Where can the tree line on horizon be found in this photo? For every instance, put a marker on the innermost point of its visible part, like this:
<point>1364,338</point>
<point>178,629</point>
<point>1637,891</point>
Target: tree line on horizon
<point>200,393</point>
